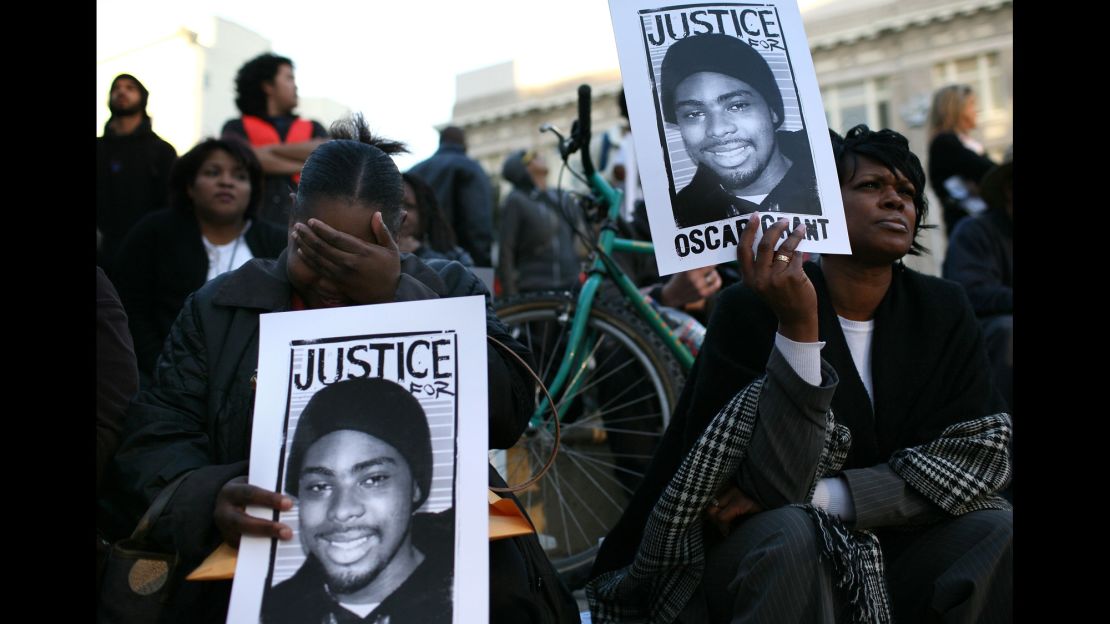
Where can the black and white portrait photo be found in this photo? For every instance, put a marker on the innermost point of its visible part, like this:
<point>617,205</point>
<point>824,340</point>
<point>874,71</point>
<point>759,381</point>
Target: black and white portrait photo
<point>358,420</point>
<point>360,466</point>
<point>724,104</point>
<point>722,96</point>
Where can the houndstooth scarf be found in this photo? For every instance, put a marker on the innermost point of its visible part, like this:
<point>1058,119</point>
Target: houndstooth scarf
<point>959,471</point>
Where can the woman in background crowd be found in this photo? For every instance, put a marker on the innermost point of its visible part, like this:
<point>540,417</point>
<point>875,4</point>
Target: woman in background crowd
<point>209,229</point>
<point>957,162</point>
<point>425,232</point>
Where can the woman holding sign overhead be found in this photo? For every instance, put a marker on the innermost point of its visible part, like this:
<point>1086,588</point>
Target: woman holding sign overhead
<point>836,453</point>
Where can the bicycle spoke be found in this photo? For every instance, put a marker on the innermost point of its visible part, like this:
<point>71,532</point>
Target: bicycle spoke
<point>581,369</point>
<point>622,406</point>
<point>594,382</point>
<point>589,509</point>
<point>554,475</point>
<point>568,455</point>
<point>607,465</point>
<point>556,349</point>
<point>563,510</point>
<point>615,400</point>
<point>600,489</point>
<point>611,454</point>
<point>653,434</point>
<point>597,419</point>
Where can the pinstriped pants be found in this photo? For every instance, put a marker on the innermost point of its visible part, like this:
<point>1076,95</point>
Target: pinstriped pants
<point>768,570</point>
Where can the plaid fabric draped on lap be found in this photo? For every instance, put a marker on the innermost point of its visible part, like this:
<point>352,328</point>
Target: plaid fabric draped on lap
<point>959,472</point>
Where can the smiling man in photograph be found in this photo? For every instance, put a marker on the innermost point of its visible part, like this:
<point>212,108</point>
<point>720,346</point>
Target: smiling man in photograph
<point>723,97</point>
<point>360,465</point>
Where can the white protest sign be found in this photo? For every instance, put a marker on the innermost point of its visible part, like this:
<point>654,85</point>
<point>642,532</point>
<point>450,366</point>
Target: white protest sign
<point>726,112</point>
<point>390,469</point>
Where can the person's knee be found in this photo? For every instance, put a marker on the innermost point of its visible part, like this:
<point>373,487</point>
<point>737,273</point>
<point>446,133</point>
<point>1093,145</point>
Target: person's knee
<point>995,525</point>
<point>769,564</point>
<point>779,538</point>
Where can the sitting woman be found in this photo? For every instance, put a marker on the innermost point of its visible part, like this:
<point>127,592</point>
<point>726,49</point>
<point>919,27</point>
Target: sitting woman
<point>209,229</point>
<point>425,233</point>
<point>192,427</point>
<point>837,449</point>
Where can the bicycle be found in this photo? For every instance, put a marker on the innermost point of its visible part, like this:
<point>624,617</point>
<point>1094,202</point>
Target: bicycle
<point>614,368</point>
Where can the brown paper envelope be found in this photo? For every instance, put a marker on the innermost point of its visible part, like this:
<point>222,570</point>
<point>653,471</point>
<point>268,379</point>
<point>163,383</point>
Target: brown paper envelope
<point>505,519</point>
<point>219,566</point>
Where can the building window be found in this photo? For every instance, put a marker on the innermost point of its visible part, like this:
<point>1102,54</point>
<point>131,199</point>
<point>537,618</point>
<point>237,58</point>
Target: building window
<point>852,103</point>
<point>982,72</point>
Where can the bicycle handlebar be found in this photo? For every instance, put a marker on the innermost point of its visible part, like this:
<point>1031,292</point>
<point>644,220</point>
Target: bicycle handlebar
<point>582,136</point>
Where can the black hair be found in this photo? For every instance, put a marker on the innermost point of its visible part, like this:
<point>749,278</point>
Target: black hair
<point>183,174</point>
<point>434,227</point>
<point>452,135</point>
<point>354,165</point>
<point>250,99</point>
<point>892,150</point>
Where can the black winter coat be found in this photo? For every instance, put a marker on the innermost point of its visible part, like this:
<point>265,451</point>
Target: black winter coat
<point>162,261</point>
<point>465,196</point>
<point>132,179</point>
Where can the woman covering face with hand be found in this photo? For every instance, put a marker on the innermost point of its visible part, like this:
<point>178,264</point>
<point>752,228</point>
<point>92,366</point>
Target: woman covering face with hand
<point>208,230</point>
<point>195,420</point>
<point>838,410</point>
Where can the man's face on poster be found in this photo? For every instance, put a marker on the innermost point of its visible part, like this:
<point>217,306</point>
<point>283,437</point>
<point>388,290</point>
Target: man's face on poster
<point>727,126</point>
<point>356,503</point>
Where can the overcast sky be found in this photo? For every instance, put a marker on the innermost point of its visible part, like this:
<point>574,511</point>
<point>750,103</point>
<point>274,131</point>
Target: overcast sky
<point>394,61</point>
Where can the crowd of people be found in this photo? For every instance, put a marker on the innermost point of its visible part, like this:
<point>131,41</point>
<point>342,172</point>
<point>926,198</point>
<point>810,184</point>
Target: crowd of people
<point>863,459</point>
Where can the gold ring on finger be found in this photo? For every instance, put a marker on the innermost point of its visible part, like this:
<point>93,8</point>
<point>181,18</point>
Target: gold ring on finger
<point>782,258</point>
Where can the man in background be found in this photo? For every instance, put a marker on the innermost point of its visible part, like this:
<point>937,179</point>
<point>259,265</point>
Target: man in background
<point>132,167</point>
<point>464,193</point>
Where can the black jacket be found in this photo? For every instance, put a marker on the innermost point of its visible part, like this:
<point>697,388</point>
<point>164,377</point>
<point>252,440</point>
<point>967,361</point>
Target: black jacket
<point>161,262</point>
<point>929,370</point>
<point>948,157</point>
<point>117,377</point>
<point>132,179</point>
<point>537,250</point>
<point>465,196</point>
<point>980,256</point>
<point>704,200</point>
<point>424,597</point>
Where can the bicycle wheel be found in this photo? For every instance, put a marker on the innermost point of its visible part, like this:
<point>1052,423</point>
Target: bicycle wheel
<point>627,388</point>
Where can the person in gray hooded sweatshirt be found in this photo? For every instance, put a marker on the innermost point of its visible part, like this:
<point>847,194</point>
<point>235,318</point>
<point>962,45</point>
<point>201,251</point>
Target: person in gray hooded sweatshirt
<point>537,246</point>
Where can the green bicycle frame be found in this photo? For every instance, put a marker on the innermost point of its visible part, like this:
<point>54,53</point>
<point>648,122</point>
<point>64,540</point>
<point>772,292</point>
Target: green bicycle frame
<point>574,358</point>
